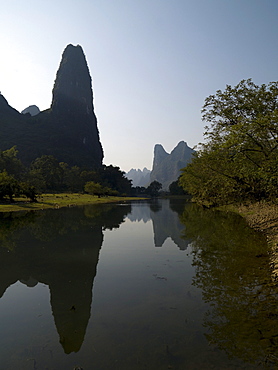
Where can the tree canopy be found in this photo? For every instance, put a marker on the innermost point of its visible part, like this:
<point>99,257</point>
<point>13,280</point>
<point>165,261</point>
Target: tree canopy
<point>154,188</point>
<point>46,173</point>
<point>239,160</point>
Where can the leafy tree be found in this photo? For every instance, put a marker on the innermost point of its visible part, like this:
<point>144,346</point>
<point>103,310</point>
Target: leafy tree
<point>10,163</point>
<point>114,178</point>
<point>29,191</point>
<point>9,186</point>
<point>46,173</point>
<point>138,190</point>
<point>71,179</point>
<point>239,160</point>
<point>94,188</point>
<point>89,175</point>
<point>154,188</point>
<point>176,189</point>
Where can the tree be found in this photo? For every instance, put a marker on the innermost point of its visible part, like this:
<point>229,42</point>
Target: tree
<point>8,186</point>
<point>240,157</point>
<point>46,173</point>
<point>29,191</point>
<point>114,178</point>
<point>154,188</point>
<point>176,189</point>
<point>94,188</point>
<point>10,163</point>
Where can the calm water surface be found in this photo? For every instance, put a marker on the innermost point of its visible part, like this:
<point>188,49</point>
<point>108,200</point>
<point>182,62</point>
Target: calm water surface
<point>161,285</point>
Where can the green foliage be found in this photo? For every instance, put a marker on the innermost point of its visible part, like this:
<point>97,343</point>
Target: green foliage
<point>94,188</point>
<point>154,188</point>
<point>46,173</point>
<point>176,189</point>
<point>29,191</point>
<point>239,161</point>
<point>9,186</point>
<point>10,163</point>
<point>112,177</point>
<point>138,190</point>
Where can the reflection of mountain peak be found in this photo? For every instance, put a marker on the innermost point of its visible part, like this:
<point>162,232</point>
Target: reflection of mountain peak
<point>61,250</point>
<point>166,222</point>
<point>30,282</point>
<point>140,212</point>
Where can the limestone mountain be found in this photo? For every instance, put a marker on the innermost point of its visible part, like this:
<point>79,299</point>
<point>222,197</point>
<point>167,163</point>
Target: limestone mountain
<point>166,167</point>
<point>139,177</point>
<point>68,130</point>
<point>33,110</point>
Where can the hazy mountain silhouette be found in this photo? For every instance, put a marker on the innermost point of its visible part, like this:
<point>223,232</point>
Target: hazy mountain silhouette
<point>68,130</point>
<point>166,167</point>
<point>139,177</point>
<point>33,110</point>
<point>60,249</point>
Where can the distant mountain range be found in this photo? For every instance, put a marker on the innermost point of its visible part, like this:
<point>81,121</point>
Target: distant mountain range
<point>166,167</point>
<point>68,130</point>
<point>138,177</point>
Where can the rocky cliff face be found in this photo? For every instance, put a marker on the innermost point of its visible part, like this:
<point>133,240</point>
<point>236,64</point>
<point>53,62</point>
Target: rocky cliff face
<point>68,130</point>
<point>166,167</point>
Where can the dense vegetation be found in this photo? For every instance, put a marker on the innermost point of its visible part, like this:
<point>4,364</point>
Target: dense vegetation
<point>47,174</point>
<point>239,161</point>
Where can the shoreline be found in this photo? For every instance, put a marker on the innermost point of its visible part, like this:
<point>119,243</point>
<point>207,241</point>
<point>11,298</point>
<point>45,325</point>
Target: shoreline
<point>59,200</point>
<point>262,216</point>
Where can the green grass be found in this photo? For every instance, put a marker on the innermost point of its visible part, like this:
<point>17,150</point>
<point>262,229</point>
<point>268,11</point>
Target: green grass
<point>59,200</point>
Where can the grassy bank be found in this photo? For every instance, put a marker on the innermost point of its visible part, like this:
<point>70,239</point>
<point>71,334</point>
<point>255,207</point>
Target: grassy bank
<point>57,201</point>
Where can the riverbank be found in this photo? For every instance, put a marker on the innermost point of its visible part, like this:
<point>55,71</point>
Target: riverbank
<point>55,201</point>
<point>262,216</point>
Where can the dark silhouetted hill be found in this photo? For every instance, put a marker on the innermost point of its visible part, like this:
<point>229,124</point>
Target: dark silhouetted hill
<point>166,167</point>
<point>68,130</point>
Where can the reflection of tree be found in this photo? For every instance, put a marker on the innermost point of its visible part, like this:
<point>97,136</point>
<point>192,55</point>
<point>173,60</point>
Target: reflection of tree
<point>155,205</point>
<point>232,268</point>
<point>61,249</point>
<point>10,222</point>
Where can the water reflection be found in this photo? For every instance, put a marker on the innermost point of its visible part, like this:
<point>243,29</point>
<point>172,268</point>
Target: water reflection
<point>211,306</point>
<point>232,269</point>
<point>42,247</point>
<point>164,215</point>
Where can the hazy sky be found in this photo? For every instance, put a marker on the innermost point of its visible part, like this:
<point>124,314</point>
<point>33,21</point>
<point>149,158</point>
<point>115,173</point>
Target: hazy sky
<point>153,62</point>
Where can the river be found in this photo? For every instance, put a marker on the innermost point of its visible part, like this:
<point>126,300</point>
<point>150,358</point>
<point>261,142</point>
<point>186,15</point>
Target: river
<point>142,285</point>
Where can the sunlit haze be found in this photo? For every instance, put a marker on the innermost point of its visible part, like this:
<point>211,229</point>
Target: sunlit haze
<point>152,62</point>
